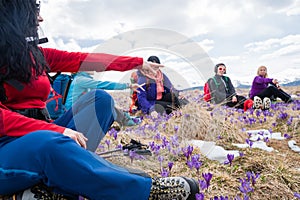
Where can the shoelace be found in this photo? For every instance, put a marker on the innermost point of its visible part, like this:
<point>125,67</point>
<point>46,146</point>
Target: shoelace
<point>167,190</point>
<point>42,192</point>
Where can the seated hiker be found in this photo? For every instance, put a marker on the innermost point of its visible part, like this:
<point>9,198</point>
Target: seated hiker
<point>264,88</point>
<point>222,91</point>
<point>159,95</point>
<point>60,155</point>
<point>83,82</point>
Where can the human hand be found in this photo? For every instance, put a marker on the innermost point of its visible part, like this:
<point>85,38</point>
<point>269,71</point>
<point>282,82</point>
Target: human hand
<point>151,67</point>
<point>77,136</point>
<point>181,96</point>
<point>136,86</point>
<point>275,81</point>
<point>234,99</point>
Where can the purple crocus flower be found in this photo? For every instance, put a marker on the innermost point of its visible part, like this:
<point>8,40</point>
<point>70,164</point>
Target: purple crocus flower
<point>249,142</point>
<point>170,165</point>
<point>160,158</point>
<point>289,121</point>
<point>101,147</point>
<point>199,196</point>
<point>229,160</point>
<point>174,140</point>
<point>202,184</point>
<point>107,142</point>
<point>297,195</point>
<point>165,142</point>
<point>132,155</point>
<point>188,151</point>
<point>156,149</point>
<point>223,198</point>
<point>251,176</point>
<point>245,186</point>
<point>190,164</point>
<point>186,115</point>
<point>207,177</point>
<point>241,154</point>
<point>157,136</point>
<point>220,198</point>
<point>266,139</point>
<point>197,165</point>
<point>287,136</point>
<point>152,145</point>
<point>176,128</point>
<point>164,172</point>
<point>282,115</point>
<point>113,132</point>
<point>195,157</point>
<point>119,146</point>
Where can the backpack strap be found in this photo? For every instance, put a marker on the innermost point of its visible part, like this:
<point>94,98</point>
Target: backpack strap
<point>52,78</point>
<point>13,82</point>
<point>65,93</point>
<point>215,81</point>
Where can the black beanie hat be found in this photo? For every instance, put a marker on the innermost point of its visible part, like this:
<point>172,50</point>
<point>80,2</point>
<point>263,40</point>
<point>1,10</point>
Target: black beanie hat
<point>154,59</point>
<point>218,65</point>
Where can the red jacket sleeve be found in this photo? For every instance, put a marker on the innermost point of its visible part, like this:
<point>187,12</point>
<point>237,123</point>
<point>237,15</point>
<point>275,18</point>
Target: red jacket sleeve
<point>15,124</point>
<point>76,61</point>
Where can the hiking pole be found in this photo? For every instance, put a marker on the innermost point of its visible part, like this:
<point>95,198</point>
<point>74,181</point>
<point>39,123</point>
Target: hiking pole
<point>110,151</point>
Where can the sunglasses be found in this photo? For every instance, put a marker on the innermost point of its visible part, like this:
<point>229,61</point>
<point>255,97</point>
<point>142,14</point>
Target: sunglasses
<point>222,69</point>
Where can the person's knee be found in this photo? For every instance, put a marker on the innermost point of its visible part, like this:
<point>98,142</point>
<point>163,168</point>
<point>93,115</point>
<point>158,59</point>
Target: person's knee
<point>103,97</point>
<point>272,88</point>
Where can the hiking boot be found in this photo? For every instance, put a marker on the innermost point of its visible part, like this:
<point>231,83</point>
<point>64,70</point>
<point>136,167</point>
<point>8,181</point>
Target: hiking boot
<point>290,100</point>
<point>266,103</point>
<point>170,188</point>
<point>257,103</point>
<point>38,192</point>
<point>130,121</point>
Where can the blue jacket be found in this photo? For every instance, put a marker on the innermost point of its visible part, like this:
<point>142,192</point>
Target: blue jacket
<point>83,82</point>
<point>147,98</point>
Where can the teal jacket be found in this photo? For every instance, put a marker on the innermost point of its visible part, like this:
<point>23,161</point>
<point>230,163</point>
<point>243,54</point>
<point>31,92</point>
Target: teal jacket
<point>83,82</point>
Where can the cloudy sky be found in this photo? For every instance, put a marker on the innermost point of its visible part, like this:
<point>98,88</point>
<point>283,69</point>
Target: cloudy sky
<point>241,34</point>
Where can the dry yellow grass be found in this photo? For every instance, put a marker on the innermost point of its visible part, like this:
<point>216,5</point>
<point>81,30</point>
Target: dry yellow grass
<point>279,170</point>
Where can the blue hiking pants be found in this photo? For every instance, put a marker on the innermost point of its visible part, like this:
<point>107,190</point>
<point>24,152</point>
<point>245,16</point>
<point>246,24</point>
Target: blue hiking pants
<point>92,114</point>
<point>59,162</point>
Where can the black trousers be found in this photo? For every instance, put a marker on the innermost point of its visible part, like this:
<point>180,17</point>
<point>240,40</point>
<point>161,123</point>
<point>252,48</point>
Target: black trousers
<point>168,103</point>
<point>273,91</point>
<point>238,104</point>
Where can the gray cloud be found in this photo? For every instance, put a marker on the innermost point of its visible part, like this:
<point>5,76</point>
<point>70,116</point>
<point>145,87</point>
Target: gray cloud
<point>235,32</point>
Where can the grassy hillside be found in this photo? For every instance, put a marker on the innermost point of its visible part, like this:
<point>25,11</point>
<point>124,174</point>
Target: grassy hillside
<point>275,175</point>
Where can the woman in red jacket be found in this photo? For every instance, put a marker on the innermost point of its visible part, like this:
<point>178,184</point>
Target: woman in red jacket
<point>59,155</point>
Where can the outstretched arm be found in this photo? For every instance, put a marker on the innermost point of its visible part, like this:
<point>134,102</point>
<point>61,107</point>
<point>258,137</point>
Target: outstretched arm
<point>76,61</point>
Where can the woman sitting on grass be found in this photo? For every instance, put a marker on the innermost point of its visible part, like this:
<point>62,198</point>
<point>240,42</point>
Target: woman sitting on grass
<point>264,88</point>
<point>158,94</point>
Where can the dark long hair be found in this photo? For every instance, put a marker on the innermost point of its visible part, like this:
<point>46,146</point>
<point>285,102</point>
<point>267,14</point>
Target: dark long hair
<point>18,57</point>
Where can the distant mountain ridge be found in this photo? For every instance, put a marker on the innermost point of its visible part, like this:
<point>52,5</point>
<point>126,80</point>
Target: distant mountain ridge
<point>243,86</point>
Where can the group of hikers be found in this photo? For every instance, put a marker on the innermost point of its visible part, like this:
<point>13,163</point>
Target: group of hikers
<point>263,90</point>
<point>42,158</point>
<point>158,94</point>
<point>155,94</point>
